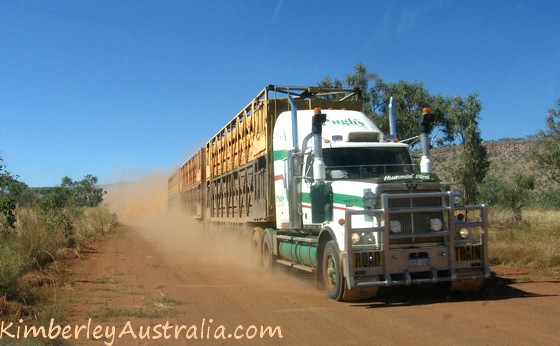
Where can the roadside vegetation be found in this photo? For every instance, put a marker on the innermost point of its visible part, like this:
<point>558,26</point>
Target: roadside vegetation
<point>533,242</point>
<point>38,226</point>
<point>525,198</point>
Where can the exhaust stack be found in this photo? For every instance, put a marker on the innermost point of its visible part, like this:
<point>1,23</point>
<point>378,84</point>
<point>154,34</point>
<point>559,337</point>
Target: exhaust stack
<point>392,119</point>
<point>425,129</point>
<point>321,193</point>
<point>319,118</point>
<point>293,171</point>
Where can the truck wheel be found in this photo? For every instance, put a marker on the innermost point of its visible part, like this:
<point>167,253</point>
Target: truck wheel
<point>332,272</point>
<point>266,254</point>
<point>256,244</point>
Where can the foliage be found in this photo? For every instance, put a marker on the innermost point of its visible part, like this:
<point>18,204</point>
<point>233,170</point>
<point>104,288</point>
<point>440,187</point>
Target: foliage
<point>462,122</point>
<point>73,194</point>
<point>455,118</point>
<point>11,267</point>
<point>514,194</point>
<point>63,204</point>
<point>328,82</point>
<point>40,238</point>
<point>548,200</point>
<point>359,80</point>
<point>36,226</point>
<point>548,153</point>
<point>7,200</point>
<point>533,242</point>
<point>410,99</point>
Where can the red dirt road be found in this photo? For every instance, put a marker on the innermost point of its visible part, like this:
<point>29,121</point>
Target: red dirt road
<point>214,291</point>
<point>158,275</point>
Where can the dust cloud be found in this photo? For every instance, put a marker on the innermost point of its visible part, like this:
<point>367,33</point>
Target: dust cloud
<point>142,204</point>
<point>183,241</point>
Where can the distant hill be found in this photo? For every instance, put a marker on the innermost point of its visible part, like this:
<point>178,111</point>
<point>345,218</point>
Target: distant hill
<point>506,157</point>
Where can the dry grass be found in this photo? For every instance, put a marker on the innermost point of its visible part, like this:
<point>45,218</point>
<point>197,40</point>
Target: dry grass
<point>94,221</point>
<point>534,242</point>
<point>40,238</point>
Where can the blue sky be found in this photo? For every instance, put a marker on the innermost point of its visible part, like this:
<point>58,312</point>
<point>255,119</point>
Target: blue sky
<point>120,89</point>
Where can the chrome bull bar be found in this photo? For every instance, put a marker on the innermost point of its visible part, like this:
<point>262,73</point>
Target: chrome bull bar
<point>454,259</point>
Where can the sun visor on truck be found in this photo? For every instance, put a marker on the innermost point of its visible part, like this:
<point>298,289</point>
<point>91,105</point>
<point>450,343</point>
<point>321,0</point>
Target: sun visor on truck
<point>368,136</point>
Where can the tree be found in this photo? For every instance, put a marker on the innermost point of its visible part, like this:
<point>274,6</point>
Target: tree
<point>328,82</point>
<point>512,194</point>
<point>456,120</point>
<point>548,152</point>
<point>7,201</point>
<point>70,193</point>
<point>87,192</point>
<point>410,99</point>
<point>360,80</point>
<point>462,124</point>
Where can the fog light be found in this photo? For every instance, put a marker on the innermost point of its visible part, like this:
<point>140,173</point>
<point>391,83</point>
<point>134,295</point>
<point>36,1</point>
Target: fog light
<point>395,226</point>
<point>436,225</point>
<point>464,233</point>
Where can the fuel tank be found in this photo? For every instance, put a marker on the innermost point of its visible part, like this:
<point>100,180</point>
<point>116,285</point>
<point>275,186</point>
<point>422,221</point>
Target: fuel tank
<point>298,251</point>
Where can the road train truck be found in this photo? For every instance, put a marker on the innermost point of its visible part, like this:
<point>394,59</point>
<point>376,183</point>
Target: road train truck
<point>315,185</point>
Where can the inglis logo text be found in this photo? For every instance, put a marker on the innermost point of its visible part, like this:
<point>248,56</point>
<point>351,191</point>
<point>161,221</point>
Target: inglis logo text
<point>347,122</point>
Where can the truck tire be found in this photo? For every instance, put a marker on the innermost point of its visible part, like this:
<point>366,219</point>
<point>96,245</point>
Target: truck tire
<point>267,256</point>
<point>256,245</point>
<point>332,272</point>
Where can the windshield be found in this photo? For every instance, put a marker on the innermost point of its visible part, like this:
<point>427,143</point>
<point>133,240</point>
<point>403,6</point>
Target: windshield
<point>366,163</point>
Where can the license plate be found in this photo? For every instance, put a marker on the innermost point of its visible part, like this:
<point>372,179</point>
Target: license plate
<point>418,262</point>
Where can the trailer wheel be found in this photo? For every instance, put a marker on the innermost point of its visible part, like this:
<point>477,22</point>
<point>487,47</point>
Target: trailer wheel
<point>332,272</point>
<point>266,254</point>
<point>256,245</point>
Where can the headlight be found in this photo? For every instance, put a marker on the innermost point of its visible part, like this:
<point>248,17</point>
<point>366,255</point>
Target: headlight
<point>464,233</point>
<point>355,238</point>
<point>395,226</point>
<point>369,200</point>
<point>363,238</point>
<point>436,225</point>
<point>368,237</point>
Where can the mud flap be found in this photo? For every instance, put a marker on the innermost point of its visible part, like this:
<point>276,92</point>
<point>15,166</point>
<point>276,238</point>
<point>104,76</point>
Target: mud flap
<point>358,293</point>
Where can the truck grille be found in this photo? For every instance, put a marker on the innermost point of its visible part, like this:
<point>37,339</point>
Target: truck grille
<point>415,222</point>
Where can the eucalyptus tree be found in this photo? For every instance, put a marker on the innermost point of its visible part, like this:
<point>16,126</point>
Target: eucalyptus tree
<point>462,125</point>
<point>455,120</point>
<point>548,153</point>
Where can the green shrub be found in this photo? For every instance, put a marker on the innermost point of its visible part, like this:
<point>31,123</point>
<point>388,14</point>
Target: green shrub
<point>11,266</point>
<point>548,200</point>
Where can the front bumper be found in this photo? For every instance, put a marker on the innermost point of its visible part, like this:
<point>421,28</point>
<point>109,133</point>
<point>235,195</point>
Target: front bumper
<point>445,259</point>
